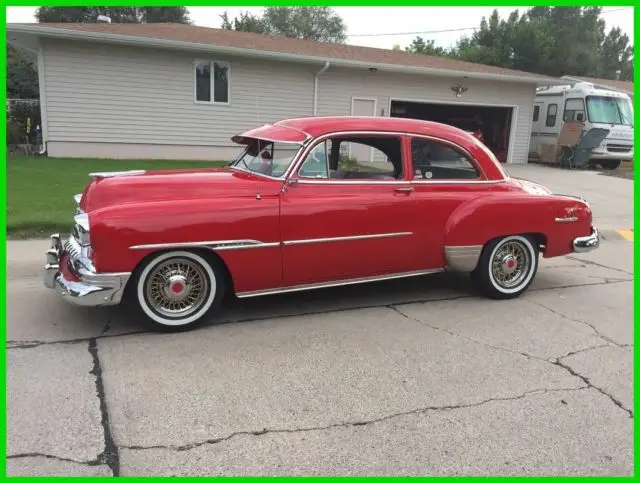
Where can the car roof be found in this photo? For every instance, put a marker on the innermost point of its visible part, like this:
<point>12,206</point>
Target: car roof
<point>321,125</point>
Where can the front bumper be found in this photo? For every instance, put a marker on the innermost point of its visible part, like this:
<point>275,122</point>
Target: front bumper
<point>587,243</point>
<point>82,286</point>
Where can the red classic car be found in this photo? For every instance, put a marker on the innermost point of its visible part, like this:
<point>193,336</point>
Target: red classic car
<point>311,203</point>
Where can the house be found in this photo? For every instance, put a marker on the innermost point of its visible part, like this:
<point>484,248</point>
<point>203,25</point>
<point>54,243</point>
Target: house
<point>181,92</point>
<point>626,87</point>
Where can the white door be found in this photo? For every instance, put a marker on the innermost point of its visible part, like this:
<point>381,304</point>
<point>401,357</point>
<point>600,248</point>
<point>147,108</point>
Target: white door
<point>362,107</point>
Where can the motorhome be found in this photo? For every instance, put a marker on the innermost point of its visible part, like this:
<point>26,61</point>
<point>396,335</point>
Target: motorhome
<point>590,105</point>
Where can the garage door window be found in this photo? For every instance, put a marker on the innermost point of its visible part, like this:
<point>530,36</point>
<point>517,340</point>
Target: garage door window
<point>433,160</point>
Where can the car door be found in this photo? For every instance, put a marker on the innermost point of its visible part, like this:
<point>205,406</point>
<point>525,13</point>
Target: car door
<point>444,177</point>
<point>345,218</point>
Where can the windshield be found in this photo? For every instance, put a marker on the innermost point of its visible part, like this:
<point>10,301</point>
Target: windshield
<point>610,110</point>
<point>267,157</point>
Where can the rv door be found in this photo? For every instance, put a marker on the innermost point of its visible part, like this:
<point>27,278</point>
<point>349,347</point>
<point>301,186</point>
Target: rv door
<point>538,117</point>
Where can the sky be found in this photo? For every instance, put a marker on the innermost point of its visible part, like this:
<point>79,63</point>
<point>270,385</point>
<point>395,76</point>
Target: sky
<point>381,21</point>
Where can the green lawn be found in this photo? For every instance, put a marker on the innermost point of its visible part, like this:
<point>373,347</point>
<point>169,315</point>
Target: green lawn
<point>40,190</point>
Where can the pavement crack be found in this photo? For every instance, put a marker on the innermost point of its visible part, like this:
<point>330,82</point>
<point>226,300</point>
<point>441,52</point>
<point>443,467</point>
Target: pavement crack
<point>586,380</point>
<point>110,455</point>
<point>566,317</point>
<point>572,353</point>
<point>95,462</point>
<point>590,262</point>
<point>470,339</point>
<point>349,424</point>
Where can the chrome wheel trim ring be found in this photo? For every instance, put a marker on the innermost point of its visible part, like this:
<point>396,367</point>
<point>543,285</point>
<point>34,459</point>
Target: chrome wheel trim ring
<point>168,312</point>
<point>512,264</point>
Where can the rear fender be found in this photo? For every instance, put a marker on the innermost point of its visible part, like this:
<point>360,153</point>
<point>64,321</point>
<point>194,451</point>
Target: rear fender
<point>475,223</point>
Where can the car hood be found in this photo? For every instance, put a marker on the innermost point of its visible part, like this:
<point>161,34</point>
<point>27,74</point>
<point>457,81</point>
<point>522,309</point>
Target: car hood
<point>109,189</point>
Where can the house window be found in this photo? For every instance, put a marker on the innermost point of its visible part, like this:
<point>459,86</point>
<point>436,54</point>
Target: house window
<point>212,82</point>
<point>552,113</point>
<point>574,110</point>
<point>536,113</point>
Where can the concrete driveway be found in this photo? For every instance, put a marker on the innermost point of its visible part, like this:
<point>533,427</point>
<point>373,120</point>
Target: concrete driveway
<point>415,377</point>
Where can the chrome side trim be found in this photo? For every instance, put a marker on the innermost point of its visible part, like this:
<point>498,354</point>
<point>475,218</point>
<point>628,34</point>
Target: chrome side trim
<point>340,283</point>
<point>462,258</point>
<point>212,245</point>
<point>113,174</point>
<point>346,238</point>
<point>569,219</point>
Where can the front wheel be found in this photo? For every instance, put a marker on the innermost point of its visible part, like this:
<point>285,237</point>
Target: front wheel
<point>506,267</point>
<point>610,164</point>
<point>175,290</point>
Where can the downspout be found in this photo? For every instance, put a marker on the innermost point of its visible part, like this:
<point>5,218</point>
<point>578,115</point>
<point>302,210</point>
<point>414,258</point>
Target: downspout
<point>315,87</point>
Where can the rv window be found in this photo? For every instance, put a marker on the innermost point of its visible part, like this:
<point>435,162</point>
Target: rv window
<point>574,110</point>
<point>536,113</point>
<point>552,113</point>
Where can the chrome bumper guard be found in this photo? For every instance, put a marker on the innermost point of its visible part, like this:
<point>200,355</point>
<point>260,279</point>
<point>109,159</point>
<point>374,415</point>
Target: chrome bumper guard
<point>587,243</point>
<point>93,289</point>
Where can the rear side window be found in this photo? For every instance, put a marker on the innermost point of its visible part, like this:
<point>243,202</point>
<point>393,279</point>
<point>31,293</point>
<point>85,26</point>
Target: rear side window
<point>552,114</point>
<point>439,161</point>
<point>536,113</point>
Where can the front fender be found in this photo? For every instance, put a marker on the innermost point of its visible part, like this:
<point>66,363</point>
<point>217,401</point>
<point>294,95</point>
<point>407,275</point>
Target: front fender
<point>123,235</point>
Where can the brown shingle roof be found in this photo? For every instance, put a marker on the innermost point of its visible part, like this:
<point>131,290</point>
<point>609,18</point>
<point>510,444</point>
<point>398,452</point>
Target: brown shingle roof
<point>269,43</point>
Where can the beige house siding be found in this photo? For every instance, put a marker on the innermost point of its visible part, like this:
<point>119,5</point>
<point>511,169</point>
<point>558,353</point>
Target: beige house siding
<point>100,94</point>
<point>121,102</point>
<point>337,87</point>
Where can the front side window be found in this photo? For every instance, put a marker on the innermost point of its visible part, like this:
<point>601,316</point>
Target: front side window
<point>370,157</point>
<point>212,82</point>
<point>552,113</point>
<point>317,163</point>
<point>435,160</point>
<point>574,110</point>
<point>609,110</point>
<point>267,157</point>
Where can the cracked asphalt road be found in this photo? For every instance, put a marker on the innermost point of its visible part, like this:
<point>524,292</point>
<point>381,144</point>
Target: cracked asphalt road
<point>410,377</point>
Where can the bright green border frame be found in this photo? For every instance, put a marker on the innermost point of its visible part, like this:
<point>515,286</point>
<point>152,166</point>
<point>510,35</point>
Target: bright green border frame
<point>500,3</point>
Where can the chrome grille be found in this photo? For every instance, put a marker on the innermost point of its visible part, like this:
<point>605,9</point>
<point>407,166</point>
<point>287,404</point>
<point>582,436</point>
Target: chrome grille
<point>619,148</point>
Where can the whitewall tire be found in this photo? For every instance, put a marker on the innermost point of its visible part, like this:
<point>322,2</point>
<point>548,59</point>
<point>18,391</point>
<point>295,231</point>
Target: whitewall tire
<point>176,290</point>
<point>507,266</point>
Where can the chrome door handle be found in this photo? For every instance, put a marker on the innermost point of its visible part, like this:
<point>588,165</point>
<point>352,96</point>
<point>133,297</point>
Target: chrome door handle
<point>408,189</point>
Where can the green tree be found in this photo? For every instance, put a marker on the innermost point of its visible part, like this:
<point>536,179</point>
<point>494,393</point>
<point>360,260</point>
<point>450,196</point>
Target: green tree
<point>321,24</point>
<point>617,54</point>
<point>116,14</point>
<point>419,46</point>
<point>22,76</point>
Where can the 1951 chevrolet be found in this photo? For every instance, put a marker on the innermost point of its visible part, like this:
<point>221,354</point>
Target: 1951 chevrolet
<point>311,203</point>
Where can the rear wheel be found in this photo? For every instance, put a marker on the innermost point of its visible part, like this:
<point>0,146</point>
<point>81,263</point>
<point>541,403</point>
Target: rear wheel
<point>506,267</point>
<point>176,290</point>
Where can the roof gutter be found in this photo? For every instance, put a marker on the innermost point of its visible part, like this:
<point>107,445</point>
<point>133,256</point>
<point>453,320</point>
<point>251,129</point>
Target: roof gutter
<point>315,86</point>
<point>39,30</point>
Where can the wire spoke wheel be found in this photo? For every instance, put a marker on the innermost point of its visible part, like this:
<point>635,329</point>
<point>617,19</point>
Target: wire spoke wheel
<point>176,287</point>
<point>510,264</point>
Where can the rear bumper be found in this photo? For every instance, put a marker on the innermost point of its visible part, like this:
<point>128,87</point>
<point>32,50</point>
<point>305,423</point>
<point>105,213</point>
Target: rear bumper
<point>587,243</point>
<point>91,289</point>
